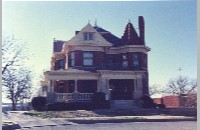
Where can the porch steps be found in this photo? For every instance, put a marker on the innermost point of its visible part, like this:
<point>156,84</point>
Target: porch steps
<point>116,104</point>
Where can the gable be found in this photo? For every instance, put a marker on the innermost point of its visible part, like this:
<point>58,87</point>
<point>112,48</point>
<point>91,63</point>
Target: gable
<point>88,35</point>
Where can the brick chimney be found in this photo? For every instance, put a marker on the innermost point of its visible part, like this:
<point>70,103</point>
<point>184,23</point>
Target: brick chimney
<point>141,29</point>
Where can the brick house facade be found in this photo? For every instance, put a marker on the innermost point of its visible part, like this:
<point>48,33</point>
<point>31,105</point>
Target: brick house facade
<point>95,60</point>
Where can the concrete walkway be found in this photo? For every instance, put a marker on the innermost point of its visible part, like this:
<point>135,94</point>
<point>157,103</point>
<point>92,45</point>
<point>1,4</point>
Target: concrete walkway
<point>18,120</point>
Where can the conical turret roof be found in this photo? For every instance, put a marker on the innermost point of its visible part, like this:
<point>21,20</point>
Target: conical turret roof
<point>130,35</point>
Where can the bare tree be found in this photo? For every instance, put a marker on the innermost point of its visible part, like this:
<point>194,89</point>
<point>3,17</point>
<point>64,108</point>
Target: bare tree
<point>17,85</point>
<point>16,78</point>
<point>155,89</point>
<point>181,85</point>
<point>11,53</point>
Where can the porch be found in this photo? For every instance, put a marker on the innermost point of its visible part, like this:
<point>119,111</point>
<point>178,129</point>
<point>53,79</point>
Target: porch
<point>71,90</point>
<point>75,96</point>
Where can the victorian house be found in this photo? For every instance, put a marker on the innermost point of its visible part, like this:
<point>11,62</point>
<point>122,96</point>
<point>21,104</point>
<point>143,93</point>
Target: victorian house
<point>95,60</point>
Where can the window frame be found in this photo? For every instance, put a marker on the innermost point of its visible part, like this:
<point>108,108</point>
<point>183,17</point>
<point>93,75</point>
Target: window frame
<point>136,62</point>
<point>60,64</point>
<point>88,58</point>
<point>87,36</point>
<point>124,60</point>
<point>72,59</point>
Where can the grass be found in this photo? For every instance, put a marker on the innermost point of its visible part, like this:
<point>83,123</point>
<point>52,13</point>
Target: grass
<point>108,113</point>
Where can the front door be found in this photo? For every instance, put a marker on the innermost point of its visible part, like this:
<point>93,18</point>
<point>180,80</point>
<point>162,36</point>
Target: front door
<point>121,89</point>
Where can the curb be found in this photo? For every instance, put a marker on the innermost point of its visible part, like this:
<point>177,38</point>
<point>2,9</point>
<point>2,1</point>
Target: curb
<point>128,120</point>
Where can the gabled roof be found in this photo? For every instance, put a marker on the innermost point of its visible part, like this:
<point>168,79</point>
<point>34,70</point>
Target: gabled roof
<point>78,39</point>
<point>57,45</point>
<point>101,30</point>
<point>109,36</point>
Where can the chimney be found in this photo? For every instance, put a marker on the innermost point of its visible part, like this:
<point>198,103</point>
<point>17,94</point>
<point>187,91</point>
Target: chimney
<point>141,28</point>
<point>76,32</point>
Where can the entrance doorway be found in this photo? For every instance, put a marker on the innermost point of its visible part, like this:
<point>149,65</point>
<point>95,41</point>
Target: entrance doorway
<point>121,89</point>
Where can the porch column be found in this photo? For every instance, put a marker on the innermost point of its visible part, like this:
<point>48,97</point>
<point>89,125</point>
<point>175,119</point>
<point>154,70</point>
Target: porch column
<point>75,84</point>
<point>66,61</point>
<point>99,84</point>
<point>104,85</point>
<point>50,86</point>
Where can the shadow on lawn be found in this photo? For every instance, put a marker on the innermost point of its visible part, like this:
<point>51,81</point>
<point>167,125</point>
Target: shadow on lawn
<point>191,112</point>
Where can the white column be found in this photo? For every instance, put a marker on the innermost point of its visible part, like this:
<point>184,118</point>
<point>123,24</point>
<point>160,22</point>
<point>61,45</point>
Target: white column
<point>104,85</point>
<point>66,61</point>
<point>52,82</point>
<point>108,89</point>
<point>49,86</point>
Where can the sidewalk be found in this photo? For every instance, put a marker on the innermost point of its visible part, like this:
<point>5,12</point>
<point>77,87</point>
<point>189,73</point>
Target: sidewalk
<point>19,120</point>
<point>120,119</point>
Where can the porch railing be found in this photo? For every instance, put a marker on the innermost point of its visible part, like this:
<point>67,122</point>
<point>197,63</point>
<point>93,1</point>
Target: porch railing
<point>76,96</point>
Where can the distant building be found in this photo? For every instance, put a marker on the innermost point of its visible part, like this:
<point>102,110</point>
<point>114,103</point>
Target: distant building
<point>177,101</point>
<point>95,60</point>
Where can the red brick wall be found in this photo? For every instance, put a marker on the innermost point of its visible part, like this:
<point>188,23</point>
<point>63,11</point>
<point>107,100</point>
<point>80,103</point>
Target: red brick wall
<point>142,58</point>
<point>145,82</point>
<point>177,101</point>
<point>78,58</point>
<point>130,59</point>
<point>118,59</point>
<point>157,100</point>
<point>171,101</point>
<point>98,58</point>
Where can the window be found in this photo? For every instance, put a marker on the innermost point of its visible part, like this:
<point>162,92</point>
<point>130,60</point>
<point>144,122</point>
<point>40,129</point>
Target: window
<point>124,61</point>
<point>88,58</point>
<point>60,64</point>
<point>135,59</point>
<point>88,36</point>
<point>72,59</point>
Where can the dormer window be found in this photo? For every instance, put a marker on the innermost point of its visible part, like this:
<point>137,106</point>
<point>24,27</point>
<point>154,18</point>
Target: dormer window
<point>88,36</point>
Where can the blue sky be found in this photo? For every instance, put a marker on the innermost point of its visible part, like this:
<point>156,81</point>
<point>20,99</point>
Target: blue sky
<point>170,30</point>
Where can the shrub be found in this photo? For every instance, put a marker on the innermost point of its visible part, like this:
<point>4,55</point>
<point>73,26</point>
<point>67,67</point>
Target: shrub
<point>147,102</point>
<point>39,103</point>
<point>61,106</point>
<point>161,105</point>
<point>100,101</point>
<point>99,97</point>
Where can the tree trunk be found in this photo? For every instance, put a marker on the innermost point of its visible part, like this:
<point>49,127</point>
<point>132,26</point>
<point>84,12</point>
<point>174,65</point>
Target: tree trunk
<point>13,106</point>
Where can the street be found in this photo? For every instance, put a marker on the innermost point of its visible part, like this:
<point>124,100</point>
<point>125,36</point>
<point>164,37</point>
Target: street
<point>180,125</point>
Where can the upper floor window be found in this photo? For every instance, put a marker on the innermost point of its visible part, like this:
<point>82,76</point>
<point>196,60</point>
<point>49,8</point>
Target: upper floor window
<point>88,36</point>
<point>135,59</point>
<point>72,59</point>
<point>60,64</point>
<point>124,61</point>
<point>88,58</point>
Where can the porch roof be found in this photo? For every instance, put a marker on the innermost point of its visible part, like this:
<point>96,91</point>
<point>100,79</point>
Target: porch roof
<point>70,74</point>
